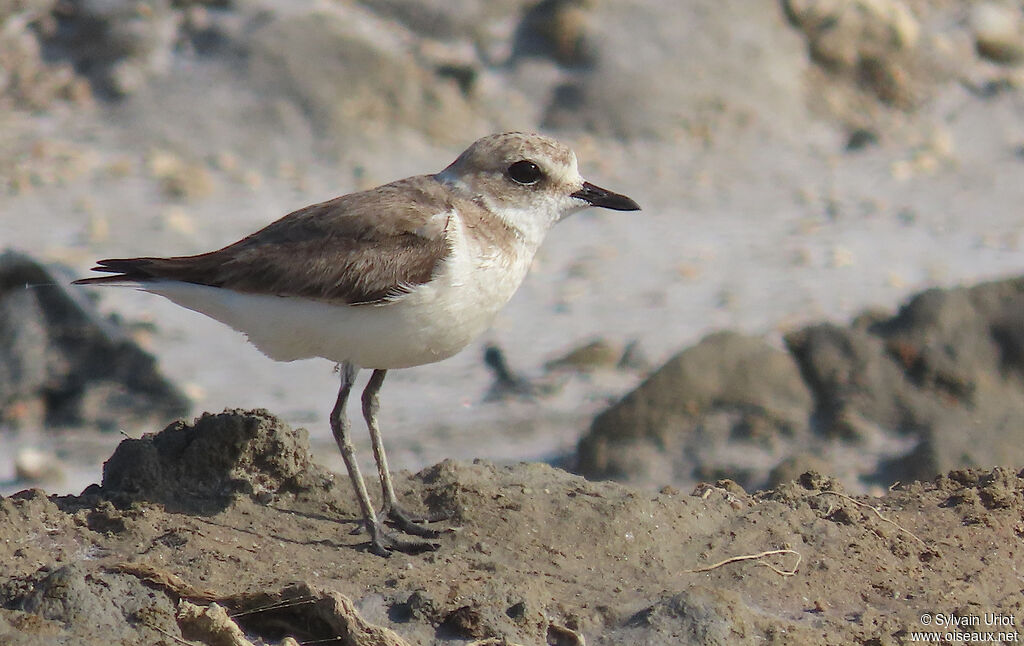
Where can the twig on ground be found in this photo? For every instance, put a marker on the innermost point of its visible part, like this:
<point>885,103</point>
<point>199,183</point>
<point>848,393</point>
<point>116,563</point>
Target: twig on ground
<point>756,557</point>
<point>877,513</point>
<point>277,605</point>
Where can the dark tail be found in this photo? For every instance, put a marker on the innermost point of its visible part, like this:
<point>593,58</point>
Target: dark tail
<point>125,268</point>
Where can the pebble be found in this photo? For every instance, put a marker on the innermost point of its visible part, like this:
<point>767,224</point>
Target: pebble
<point>998,32</point>
<point>595,355</point>
<point>178,178</point>
<point>35,465</point>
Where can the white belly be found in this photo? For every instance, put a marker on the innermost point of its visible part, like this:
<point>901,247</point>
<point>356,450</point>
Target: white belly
<point>432,323</point>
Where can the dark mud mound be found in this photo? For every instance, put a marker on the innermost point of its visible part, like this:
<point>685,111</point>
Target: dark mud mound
<point>215,458</point>
<point>684,423</point>
<point>63,365</point>
<point>945,373</point>
<point>938,386</point>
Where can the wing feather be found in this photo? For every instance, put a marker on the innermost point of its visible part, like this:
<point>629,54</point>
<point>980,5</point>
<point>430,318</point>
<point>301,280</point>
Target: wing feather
<point>362,248</point>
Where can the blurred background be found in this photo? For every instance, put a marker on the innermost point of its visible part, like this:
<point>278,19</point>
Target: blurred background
<point>797,161</point>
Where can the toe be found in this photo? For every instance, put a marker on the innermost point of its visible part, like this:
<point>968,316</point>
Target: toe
<point>383,543</point>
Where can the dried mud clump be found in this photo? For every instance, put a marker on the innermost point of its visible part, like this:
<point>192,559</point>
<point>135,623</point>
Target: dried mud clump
<point>215,457</point>
<point>932,388</point>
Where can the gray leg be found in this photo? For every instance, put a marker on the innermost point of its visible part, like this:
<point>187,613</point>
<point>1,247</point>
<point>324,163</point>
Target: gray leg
<point>390,507</point>
<point>381,542</point>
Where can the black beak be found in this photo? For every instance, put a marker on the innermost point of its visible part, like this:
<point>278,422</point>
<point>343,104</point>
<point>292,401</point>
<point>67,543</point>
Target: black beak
<point>598,196</point>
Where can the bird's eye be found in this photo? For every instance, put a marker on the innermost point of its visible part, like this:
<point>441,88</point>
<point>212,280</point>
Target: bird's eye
<point>525,172</point>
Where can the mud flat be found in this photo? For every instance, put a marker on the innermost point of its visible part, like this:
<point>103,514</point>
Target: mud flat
<point>225,531</point>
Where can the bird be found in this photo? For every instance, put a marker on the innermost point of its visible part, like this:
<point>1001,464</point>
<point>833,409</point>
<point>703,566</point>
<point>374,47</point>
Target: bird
<point>401,275</point>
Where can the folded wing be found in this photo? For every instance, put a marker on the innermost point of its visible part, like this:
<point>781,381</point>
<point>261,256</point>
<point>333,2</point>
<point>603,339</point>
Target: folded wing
<point>342,250</point>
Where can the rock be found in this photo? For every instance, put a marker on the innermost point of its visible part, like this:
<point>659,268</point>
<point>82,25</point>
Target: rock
<point>103,607</point>
<point>28,78</point>
<point>871,42</point>
<point>848,371</point>
<point>874,61</point>
<point>142,600</point>
<point>560,30</point>
<point>205,463</point>
<point>668,87</point>
<point>36,466</point>
<point>59,359</point>
<point>595,355</point>
<point>938,386</point>
<point>686,420</point>
<point>998,32</point>
<point>348,71</point>
<point>944,372</point>
<point>178,178</point>
<point>119,44</point>
<point>841,33</point>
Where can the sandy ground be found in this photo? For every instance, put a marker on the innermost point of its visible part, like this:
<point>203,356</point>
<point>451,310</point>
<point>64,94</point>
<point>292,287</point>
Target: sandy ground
<point>534,555</point>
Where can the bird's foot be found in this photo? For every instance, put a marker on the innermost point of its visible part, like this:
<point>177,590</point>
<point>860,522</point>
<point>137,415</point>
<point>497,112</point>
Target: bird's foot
<point>405,521</point>
<point>383,542</point>
<point>410,523</point>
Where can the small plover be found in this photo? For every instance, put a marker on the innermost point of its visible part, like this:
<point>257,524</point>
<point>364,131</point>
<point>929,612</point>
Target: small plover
<point>397,276</point>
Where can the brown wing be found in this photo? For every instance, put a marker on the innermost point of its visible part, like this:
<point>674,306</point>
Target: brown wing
<point>358,249</point>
